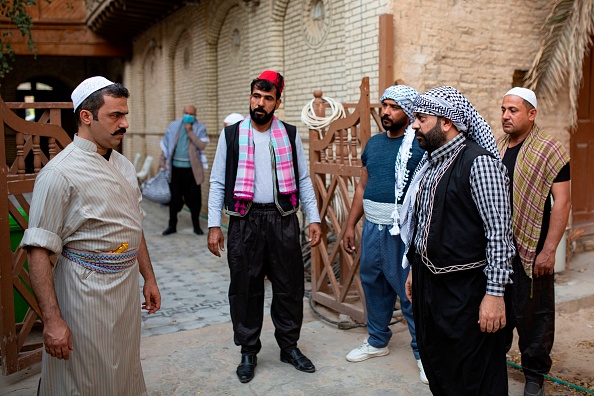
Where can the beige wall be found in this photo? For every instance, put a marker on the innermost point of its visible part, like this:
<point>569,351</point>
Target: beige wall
<point>474,46</point>
<point>233,77</point>
<point>190,57</point>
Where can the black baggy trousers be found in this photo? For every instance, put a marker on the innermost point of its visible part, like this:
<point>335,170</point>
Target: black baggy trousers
<point>534,319</point>
<point>458,358</point>
<point>184,190</point>
<point>264,243</point>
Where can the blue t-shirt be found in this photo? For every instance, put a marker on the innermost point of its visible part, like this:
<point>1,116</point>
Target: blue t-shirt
<point>379,158</point>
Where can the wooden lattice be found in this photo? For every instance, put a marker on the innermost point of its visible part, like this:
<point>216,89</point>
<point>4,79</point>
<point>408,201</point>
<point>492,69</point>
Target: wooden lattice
<point>21,159</point>
<point>335,168</point>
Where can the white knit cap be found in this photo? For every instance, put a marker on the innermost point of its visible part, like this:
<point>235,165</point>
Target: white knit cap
<point>233,118</point>
<point>524,93</point>
<point>87,87</point>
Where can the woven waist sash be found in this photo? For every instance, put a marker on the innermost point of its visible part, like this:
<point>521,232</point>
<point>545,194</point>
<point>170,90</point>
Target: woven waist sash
<point>105,263</point>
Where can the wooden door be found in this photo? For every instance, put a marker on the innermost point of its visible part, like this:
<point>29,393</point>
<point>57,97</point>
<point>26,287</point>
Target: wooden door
<point>582,154</point>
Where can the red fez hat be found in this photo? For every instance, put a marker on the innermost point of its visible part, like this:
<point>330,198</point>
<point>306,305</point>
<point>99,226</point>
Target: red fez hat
<point>273,77</point>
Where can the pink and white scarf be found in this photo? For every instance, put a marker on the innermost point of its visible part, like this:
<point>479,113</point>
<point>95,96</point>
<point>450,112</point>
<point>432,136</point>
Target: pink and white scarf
<point>283,159</point>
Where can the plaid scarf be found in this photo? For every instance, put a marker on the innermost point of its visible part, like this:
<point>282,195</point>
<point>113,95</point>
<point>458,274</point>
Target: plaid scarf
<point>539,161</point>
<point>283,159</point>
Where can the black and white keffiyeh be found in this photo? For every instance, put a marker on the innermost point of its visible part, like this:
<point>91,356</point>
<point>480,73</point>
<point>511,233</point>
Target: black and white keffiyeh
<point>449,103</point>
<point>404,96</point>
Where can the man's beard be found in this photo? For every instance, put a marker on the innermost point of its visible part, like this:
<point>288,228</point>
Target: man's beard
<point>392,126</point>
<point>261,119</point>
<point>433,139</point>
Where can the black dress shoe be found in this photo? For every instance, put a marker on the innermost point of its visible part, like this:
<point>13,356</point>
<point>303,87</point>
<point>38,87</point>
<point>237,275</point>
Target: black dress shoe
<point>247,367</point>
<point>533,389</point>
<point>297,359</point>
<point>169,230</point>
<point>198,231</point>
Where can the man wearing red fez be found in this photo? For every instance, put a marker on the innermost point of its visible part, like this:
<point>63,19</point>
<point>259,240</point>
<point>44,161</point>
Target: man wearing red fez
<point>259,176</point>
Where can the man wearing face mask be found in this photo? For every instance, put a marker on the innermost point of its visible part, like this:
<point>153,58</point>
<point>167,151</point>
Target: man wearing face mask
<point>259,175</point>
<point>182,154</point>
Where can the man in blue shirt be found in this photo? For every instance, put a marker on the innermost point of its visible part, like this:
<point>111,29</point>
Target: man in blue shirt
<point>389,160</point>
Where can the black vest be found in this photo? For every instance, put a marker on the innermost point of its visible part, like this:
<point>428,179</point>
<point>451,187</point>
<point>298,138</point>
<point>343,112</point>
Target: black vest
<point>456,233</point>
<point>282,201</point>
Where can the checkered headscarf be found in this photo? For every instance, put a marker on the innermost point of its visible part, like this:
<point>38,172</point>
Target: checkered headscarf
<point>404,97</point>
<point>447,102</point>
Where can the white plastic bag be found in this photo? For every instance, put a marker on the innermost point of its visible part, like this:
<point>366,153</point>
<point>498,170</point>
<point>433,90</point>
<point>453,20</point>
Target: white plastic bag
<point>157,188</point>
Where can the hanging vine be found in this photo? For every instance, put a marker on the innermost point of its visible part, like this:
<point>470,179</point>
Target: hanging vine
<point>19,22</point>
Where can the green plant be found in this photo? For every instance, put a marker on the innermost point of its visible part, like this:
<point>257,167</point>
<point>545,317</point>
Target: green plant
<point>565,39</point>
<point>16,11</point>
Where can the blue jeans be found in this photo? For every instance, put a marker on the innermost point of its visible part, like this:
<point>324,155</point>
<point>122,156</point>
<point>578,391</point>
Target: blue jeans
<point>383,280</point>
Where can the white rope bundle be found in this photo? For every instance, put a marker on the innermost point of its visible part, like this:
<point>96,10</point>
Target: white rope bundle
<point>309,117</point>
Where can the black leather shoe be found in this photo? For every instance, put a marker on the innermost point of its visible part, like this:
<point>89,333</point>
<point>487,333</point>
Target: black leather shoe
<point>169,230</point>
<point>533,389</point>
<point>247,367</point>
<point>297,359</point>
<point>198,231</point>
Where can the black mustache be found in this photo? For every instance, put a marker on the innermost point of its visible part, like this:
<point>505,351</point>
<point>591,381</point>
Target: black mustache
<point>121,130</point>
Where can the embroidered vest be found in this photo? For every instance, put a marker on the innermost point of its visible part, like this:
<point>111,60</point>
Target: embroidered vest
<point>282,201</point>
<point>456,234</point>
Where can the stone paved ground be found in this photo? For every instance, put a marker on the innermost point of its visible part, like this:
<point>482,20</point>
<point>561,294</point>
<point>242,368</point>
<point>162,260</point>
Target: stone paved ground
<point>193,282</point>
<point>202,360</point>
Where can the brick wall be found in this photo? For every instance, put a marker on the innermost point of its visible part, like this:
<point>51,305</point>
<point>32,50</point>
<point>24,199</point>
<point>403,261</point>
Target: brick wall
<point>476,46</point>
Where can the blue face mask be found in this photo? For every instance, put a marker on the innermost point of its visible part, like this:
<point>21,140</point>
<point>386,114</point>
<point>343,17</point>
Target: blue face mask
<point>189,119</point>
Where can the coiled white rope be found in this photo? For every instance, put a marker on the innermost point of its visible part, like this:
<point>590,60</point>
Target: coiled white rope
<point>309,117</point>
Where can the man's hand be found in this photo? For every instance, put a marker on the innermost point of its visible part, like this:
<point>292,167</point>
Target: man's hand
<point>188,127</point>
<point>544,263</point>
<point>492,313</point>
<point>408,286</point>
<point>348,240</point>
<point>57,338</point>
<point>152,296</point>
<point>315,234</point>
<point>216,240</point>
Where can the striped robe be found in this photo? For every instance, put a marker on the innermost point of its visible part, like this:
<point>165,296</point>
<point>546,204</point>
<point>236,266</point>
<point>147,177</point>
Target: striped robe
<point>81,201</point>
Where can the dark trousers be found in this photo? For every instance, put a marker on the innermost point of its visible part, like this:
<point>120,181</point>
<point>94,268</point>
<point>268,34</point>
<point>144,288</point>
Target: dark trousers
<point>264,243</point>
<point>534,319</point>
<point>459,359</point>
<point>184,190</point>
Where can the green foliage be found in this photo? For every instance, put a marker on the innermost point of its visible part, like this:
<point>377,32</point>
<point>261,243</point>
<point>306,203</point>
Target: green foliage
<point>16,12</point>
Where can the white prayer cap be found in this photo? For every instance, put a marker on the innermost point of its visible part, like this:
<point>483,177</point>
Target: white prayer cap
<point>87,87</point>
<point>233,118</point>
<point>524,93</point>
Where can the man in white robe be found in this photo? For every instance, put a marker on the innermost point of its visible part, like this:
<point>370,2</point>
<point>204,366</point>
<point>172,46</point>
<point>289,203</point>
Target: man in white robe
<point>86,210</point>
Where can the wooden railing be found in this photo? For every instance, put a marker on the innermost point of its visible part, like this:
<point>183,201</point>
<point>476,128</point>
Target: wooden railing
<point>22,140</point>
<point>335,168</point>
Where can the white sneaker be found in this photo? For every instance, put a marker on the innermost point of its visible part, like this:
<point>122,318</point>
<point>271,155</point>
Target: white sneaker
<point>366,351</point>
<point>422,372</point>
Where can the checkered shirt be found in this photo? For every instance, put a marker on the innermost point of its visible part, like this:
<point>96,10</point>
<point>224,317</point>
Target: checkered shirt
<point>490,193</point>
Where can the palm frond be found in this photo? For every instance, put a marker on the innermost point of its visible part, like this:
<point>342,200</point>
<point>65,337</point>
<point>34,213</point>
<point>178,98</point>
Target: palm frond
<point>563,45</point>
